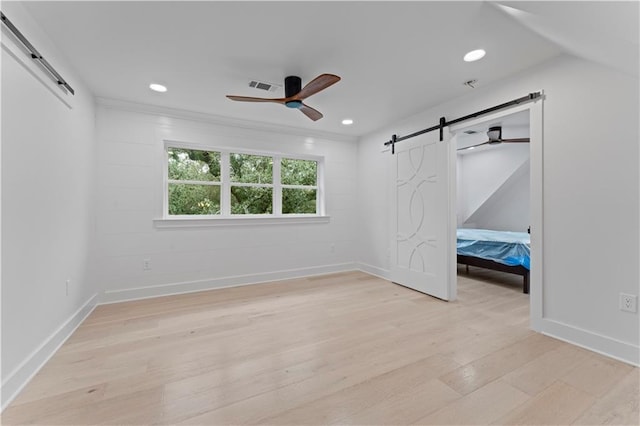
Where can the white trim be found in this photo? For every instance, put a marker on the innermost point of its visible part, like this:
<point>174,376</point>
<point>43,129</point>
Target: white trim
<point>115,296</point>
<point>299,187</point>
<point>612,348</point>
<point>604,345</point>
<point>199,146</point>
<point>23,373</point>
<point>236,220</point>
<point>219,120</point>
<point>225,190</point>
<point>276,201</point>
<point>536,156</point>
<point>195,182</point>
<point>321,201</point>
<point>385,274</point>
<point>165,181</point>
<point>252,185</point>
<point>452,253</point>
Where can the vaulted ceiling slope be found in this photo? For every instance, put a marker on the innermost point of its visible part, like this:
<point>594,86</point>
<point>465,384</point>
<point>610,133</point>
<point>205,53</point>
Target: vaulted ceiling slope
<point>395,58</point>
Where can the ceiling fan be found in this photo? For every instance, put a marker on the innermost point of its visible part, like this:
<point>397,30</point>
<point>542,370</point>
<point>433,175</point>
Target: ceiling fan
<point>294,94</point>
<point>495,137</point>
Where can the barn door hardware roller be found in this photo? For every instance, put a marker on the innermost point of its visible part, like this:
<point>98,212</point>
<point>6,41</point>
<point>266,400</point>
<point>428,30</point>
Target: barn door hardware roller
<point>443,122</point>
<point>35,55</point>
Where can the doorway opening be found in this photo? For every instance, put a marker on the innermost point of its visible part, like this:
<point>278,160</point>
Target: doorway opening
<point>496,213</point>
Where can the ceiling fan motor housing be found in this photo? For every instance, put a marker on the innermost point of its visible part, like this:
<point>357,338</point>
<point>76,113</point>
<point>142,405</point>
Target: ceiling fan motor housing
<point>495,134</point>
<point>292,85</point>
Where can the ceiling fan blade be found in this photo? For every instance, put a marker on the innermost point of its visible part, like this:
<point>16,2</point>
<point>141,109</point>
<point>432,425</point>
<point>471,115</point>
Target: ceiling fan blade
<point>251,99</point>
<point>319,83</point>
<point>523,140</point>
<point>312,113</point>
<point>473,146</point>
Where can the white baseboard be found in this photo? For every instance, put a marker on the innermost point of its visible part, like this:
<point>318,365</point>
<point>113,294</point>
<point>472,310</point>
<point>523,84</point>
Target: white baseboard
<point>28,368</point>
<point>18,378</point>
<point>607,346</point>
<point>115,296</point>
<point>374,270</point>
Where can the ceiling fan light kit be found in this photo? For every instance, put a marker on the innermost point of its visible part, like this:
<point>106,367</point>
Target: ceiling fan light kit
<point>293,104</point>
<point>295,94</point>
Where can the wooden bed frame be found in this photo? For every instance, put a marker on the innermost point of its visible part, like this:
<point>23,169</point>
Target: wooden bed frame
<point>490,264</point>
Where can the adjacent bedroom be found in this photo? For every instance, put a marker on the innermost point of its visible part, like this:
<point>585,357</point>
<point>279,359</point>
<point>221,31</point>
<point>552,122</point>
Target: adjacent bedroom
<point>493,201</point>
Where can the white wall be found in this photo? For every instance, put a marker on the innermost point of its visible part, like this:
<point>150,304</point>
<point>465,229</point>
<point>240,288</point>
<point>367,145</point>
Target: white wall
<point>590,196</point>
<point>130,189</point>
<point>47,185</point>
<point>507,209</point>
<point>493,188</point>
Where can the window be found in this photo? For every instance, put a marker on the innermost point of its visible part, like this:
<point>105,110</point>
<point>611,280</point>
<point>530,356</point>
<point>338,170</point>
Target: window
<point>251,186</point>
<point>194,182</point>
<point>225,184</point>
<point>299,180</point>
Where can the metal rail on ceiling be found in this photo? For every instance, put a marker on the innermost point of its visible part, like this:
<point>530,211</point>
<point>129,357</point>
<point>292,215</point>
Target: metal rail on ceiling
<point>443,122</point>
<point>35,55</point>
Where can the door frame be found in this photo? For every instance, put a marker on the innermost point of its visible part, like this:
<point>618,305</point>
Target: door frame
<point>536,205</point>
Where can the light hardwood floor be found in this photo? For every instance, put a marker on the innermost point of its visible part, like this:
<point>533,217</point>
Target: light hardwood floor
<point>346,348</point>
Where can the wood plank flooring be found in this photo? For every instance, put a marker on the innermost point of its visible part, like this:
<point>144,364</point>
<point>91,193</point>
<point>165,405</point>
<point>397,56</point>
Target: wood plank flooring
<point>345,348</point>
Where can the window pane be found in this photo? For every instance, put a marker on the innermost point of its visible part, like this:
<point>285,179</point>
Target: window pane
<point>191,164</point>
<point>247,168</point>
<point>299,172</point>
<point>251,200</point>
<point>298,201</point>
<point>194,199</point>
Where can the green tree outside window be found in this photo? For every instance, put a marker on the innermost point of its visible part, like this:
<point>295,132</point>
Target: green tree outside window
<point>195,183</point>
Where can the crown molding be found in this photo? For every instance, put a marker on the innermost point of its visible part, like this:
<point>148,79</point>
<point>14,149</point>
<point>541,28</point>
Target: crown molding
<point>218,119</point>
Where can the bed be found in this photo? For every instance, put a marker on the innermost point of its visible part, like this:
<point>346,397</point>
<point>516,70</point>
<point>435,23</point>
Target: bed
<point>503,251</point>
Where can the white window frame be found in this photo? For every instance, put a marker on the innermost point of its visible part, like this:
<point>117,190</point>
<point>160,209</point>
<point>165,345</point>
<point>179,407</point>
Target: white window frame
<point>225,218</point>
<point>226,195</point>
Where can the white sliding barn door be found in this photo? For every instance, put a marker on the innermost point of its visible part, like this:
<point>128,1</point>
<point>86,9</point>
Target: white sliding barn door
<point>420,246</point>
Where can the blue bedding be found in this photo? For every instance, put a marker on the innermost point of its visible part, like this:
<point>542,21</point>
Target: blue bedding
<point>508,248</point>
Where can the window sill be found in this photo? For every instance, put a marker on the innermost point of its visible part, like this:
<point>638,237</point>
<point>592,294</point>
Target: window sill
<point>198,222</point>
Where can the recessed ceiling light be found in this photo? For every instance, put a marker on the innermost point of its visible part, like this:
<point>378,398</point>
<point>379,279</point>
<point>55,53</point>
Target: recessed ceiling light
<point>347,122</point>
<point>474,55</point>
<point>157,87</point>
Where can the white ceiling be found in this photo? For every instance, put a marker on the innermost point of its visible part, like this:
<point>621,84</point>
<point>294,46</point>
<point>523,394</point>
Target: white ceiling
<point>395,58</point>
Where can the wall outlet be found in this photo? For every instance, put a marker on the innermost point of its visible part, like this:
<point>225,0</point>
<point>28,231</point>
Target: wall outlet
<point>628,302</point>
<point>66,287</point>
<point>146,264</point>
